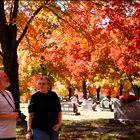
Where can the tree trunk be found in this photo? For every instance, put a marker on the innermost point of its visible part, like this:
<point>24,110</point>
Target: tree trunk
<point>136,90</point>
<point>121,89</point>
<point>43,69</point>
<point>98,93</point>
<point>9,53</point>
<point>84,90</point>
<point>70,92</point>
<point>109,93</point>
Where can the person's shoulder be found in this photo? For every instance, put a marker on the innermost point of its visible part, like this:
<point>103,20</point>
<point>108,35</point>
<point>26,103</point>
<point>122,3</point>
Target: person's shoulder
<point>53,93</point>
<point>36,94</point>
<point>8,92</point>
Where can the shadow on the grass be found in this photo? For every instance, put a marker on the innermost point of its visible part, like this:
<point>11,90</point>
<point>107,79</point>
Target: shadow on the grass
<point>102,129</point>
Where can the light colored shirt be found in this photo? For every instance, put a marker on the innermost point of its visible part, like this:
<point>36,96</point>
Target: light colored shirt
<point>74,100</point>
<point>7,126</point>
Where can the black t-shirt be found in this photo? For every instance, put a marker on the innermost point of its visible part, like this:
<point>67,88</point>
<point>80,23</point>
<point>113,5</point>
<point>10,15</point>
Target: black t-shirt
<point>45,108</point>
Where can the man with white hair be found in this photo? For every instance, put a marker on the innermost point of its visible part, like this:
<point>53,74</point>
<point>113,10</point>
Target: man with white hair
<point>45,115</point>
<point>8,117</point>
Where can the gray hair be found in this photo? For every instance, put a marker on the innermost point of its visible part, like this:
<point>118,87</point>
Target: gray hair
<point>48,80</point>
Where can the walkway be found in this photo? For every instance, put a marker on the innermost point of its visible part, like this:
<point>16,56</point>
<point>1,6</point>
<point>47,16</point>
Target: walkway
<point>84,114</point>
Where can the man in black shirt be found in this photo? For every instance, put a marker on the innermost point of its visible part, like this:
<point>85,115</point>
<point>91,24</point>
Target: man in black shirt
<point>45,114</point>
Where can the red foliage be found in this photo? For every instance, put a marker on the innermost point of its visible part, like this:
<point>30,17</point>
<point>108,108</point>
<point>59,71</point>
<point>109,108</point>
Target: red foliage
<point>127,98</point>
<point>126,58</point>
<point>33,82</point>
<point>107,43</point>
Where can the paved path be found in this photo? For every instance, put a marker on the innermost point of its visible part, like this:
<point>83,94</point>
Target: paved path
<point>90,115</point>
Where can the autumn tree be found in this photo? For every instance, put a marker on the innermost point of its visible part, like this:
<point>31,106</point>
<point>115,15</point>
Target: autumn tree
<point>113,37</point>
<point>16,18</point>
<point>86,40</point>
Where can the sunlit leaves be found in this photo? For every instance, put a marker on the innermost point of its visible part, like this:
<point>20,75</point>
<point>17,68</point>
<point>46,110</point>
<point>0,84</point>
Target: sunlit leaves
<point>87,40</point>
<point>126,58</point>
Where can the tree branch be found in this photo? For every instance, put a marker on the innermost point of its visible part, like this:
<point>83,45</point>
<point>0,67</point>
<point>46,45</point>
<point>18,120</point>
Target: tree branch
<point>14,15</point>
<point>2,13</point>
<point>83,32</point>
<point>11,9</point>
<point>2,21</point>
<point>28,23</point>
